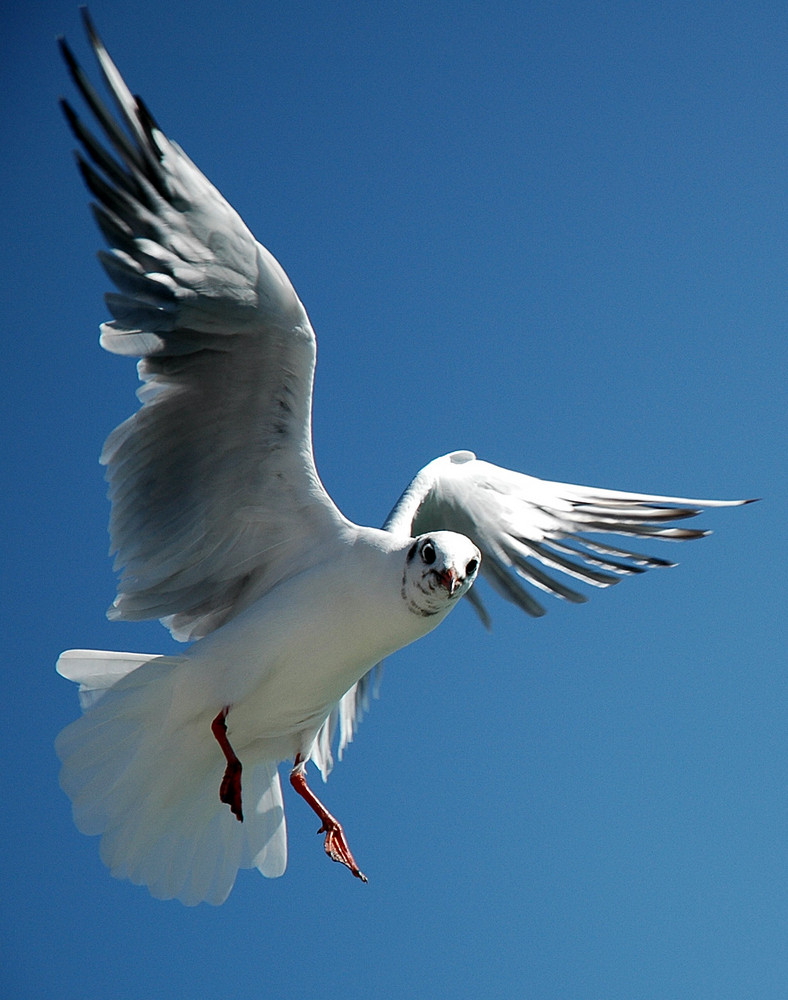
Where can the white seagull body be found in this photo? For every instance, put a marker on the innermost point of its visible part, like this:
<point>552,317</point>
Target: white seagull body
<point>224,531</point>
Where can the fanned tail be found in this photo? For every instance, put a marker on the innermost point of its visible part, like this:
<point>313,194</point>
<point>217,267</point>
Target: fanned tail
<point>148,783</point>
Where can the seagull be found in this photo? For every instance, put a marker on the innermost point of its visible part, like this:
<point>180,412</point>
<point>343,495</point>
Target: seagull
<point>222,529</point>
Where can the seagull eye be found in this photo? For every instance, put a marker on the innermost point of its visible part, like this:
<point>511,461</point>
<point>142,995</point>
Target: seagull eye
<point>428,553</point>
<point>470,569</point>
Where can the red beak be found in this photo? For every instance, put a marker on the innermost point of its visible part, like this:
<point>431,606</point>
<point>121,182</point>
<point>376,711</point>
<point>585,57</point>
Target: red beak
<point>449,580</point>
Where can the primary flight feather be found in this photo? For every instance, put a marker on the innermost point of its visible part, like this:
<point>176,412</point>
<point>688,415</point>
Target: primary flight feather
<point>223,530</point>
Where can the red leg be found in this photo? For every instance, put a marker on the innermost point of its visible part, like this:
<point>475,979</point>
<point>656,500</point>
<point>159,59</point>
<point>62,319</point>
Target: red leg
<point>230,788</point>
<point>336,845</point>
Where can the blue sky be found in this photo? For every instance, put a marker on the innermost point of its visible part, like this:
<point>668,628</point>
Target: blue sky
<point>553,233</point>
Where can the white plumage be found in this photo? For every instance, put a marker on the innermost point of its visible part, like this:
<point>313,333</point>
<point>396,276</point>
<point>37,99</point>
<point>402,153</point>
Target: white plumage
<point>223,530</point>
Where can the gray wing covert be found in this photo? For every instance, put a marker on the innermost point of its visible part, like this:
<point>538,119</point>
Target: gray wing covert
<point>528,529</point>
<point>214,491</point>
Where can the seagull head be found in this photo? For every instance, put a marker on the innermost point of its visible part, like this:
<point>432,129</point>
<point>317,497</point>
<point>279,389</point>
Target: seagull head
<point>440,567</point>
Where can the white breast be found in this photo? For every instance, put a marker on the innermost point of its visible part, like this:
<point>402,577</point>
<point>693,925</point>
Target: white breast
<point>284,662</point>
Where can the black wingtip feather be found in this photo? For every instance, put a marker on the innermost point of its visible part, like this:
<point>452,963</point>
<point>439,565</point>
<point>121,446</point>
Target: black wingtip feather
<point>68,57</point>
<point>68,112</point>
<point>90,27</point>
<point>147,120</point>
<point>136,147</point>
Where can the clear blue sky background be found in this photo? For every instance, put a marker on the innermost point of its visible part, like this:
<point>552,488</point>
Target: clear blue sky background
<point>550,232</point>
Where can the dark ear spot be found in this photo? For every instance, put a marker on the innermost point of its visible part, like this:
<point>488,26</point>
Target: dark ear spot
<point>412,552</point>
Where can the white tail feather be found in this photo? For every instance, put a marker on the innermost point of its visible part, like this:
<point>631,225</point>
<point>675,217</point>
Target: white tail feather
<point>97,670</point>
<point>150,786</point>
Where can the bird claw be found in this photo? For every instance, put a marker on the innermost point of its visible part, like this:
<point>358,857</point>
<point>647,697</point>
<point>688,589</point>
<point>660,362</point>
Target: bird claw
<point>230,789</point>
<point>336,847</point>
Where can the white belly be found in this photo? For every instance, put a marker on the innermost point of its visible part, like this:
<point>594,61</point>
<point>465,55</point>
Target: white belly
<point>282,664</point>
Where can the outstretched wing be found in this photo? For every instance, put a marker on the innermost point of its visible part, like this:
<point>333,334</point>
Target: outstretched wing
<point>214,491</point>
<point>528,529</point>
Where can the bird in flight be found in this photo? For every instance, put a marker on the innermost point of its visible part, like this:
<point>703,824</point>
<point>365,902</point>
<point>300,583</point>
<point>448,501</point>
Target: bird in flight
<point>223,530</point>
